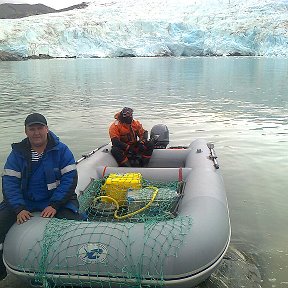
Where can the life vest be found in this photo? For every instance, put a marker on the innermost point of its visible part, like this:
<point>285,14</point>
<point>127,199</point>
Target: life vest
<point>127,133</point>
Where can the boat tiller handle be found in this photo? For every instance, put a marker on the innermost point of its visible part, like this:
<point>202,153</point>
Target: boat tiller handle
<point>212,155</point>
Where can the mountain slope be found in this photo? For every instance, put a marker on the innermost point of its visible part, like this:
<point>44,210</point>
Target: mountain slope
<point>12,11</point>
<point>77,6</point>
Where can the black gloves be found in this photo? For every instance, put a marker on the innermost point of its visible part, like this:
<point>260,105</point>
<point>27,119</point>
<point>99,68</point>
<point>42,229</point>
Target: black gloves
<point>131,150</point>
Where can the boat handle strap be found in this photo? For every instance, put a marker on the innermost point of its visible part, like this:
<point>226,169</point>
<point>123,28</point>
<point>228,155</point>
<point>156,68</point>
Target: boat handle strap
<point>180,175</point>
<point>104,171</point>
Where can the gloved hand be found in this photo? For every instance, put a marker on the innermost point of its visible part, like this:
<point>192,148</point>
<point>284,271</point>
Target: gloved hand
<point>154,139</point>
<point>145,136</point>
<point>131,150</point>
<point>141,146</point>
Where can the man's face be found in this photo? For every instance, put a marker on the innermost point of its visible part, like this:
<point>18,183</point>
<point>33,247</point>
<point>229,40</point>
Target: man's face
<point>127,115</point>
<point>37,134</point>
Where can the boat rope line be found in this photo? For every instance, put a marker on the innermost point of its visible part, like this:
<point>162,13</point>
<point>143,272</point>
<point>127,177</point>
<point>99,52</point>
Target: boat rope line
<point>129,250</point>
<point>87,155</point>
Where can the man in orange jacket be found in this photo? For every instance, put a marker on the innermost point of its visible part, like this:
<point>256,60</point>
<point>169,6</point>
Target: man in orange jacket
<point>130,145</point>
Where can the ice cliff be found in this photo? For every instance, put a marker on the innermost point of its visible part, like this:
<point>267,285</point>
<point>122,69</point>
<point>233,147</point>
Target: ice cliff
<point>115,28</point>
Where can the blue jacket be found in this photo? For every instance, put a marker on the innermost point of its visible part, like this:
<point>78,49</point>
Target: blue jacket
<point>35,185</point>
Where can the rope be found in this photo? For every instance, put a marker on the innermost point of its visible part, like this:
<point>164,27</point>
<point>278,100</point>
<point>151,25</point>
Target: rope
<point>132,213</point>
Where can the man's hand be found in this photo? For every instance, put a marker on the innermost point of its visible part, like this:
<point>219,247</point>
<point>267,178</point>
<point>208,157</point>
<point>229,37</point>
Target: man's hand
<point>141,146</point>
<point>48,212</point>
<point>131,150</point>
<point>23,216</point>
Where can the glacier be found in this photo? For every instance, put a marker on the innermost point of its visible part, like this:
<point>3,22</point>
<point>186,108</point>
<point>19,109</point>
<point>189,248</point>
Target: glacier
<point>149,28</point>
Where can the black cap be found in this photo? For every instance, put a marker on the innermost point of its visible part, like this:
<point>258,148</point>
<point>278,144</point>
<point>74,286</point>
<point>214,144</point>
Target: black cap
<point>127,112</point>
<point>35,118</point>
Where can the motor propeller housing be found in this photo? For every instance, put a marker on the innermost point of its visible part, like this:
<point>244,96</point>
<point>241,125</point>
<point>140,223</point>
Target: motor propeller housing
<point>160,135</point>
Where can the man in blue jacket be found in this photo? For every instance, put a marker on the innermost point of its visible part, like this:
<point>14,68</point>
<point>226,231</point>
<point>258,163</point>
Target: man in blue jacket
<point>39,175</point>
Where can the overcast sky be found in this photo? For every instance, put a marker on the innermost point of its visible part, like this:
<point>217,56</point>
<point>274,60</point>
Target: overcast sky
<point>56,4</point>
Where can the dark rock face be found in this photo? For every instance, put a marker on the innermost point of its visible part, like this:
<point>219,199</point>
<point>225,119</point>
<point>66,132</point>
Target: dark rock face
<point>13,11</point>
<point>78,6</point>
<point>6,56</point>
<point>40,56</point>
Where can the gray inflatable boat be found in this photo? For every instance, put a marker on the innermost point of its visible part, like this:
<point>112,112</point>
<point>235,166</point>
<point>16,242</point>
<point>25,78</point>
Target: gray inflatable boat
<point>174,236</point>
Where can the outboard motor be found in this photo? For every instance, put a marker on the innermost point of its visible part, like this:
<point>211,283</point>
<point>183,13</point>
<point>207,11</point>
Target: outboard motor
<point>160,135</point>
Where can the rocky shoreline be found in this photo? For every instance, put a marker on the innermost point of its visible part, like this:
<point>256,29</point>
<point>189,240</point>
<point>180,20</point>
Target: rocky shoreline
<point>6,56</point>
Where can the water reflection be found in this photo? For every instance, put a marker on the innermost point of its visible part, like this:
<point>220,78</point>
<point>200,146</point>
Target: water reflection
<point>196,92</point>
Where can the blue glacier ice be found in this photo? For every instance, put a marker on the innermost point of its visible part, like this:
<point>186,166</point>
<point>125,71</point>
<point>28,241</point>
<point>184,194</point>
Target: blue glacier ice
<point>119,28</point>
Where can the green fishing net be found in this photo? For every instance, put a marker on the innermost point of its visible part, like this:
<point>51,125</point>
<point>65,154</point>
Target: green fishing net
<point>104,250</point>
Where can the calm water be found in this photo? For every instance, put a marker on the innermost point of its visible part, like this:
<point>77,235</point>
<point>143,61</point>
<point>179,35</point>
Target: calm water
<point>240,104</point>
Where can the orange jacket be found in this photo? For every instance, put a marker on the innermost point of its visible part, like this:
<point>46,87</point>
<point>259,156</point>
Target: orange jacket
<point>127,133</point>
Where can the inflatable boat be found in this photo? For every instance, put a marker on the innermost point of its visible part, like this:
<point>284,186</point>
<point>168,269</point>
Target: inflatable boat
<point>164,225</point>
